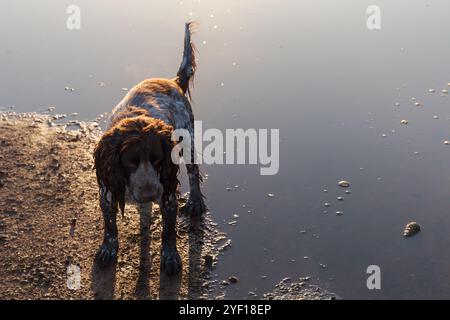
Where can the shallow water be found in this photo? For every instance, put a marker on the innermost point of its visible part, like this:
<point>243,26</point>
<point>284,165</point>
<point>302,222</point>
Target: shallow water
<point>311,69</point>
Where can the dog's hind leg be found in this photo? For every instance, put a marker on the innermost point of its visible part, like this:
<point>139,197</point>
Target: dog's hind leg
<point>195,206</point>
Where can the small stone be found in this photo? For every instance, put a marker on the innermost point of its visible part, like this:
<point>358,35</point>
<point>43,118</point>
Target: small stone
<point>404,122</point>
<point>444,91</point>
<point>447,142</point>
<point>417,104</point>
<point>233,279</point>
<point>228,189</point>
<point>411,229</point>
<point>344,184</point>
<point>348,191</point>
<point>271,195</point>
<point>327,205</point>
<point>209,260</point>
<point>431,90</point>
<point>340,198</point>
<point>339,213</point>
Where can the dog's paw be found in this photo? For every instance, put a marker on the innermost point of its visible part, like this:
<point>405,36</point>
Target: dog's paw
<point>195,206</point>
<point>107,253</point>
<point>170,261</point>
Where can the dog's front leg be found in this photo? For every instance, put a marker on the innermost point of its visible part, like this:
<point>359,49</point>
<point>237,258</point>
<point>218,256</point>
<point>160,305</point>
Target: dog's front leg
<point>107,254</point>
<point>170,259</point>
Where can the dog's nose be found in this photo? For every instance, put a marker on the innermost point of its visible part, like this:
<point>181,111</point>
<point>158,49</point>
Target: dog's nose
<point>148,195</point>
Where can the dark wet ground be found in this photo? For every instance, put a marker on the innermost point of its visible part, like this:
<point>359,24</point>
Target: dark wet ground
<point>309,68</point>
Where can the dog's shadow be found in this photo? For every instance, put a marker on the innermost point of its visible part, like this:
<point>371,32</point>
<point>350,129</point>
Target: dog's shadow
<point>103,279</point>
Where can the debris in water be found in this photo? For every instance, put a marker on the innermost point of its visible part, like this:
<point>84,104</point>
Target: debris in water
<point>271,195</point>
<point>404,122</point>
<point>340,198</point>
<point>444,91</point>
<point>417,104</point>
<point>228,189</point>
<point>344,184</point>
<point>446,142</point>
<point>327,205</point>
<point>411,229</point>
<point>233,279</point>
<point>348,191</point>
<point>397,104</point>
<point>384,135</point>
<point>339,213</point>
<point>435,117</point>
<point>431,90</point>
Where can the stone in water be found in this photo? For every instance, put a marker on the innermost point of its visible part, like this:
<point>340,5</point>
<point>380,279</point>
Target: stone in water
<point>344,184</point>
<point>411,229</point>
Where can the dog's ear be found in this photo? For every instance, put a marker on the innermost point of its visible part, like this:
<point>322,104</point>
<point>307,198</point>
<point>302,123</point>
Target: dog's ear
<point>110,174</point>
<point>169,169</point>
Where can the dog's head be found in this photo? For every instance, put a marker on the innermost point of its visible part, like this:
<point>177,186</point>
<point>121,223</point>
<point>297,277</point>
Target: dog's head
<point>135,154</point>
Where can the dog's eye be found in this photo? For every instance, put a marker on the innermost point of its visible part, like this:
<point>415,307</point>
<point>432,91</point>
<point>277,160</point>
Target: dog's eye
<point>135,161</point>
<point>157,162</point>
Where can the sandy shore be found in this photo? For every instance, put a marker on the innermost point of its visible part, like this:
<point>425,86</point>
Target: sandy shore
<point>51,226</point>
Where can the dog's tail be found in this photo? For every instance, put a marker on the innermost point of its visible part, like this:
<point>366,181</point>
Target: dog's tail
<point>185,75</point>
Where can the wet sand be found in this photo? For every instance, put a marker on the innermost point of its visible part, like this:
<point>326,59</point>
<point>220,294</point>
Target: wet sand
<point>51,225</point>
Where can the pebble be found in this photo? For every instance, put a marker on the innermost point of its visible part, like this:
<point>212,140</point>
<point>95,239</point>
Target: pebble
<point>411,229</point>
<point>344,184</point>
<point>404,122</point>
<point>447,142</point>
<point>431,90</point>
<point>339,213</point>
<point>233,279</point>
<point>417,104</point>
<point>271,195</point>
<point>444,91</point>
<point>327,205</point>
<point>340,198</point>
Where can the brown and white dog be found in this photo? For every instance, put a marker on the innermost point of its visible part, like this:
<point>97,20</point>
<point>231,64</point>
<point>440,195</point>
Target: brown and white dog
<point>133,158</point>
